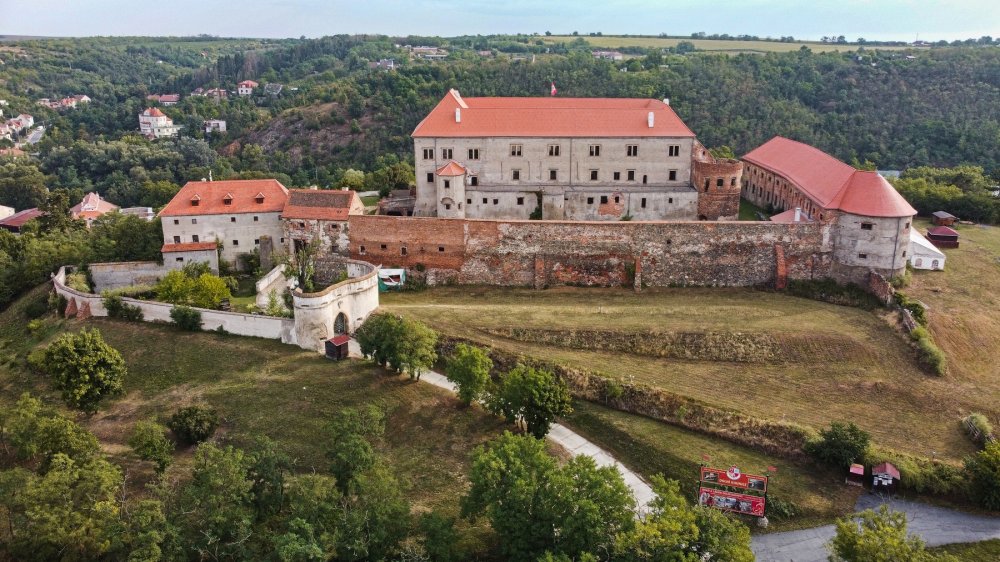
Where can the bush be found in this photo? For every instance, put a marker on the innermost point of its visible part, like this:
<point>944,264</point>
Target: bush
<point>930,355</point>
<point>978,428</point>
<point>84,368</point>
<point>57,303</point>
<point>194,424</point>
<point>118,308</point>
<point>828,290</point>
<point>35,325</point>
<point>37,308</point>
<point>915,308</point>
<point>186,318</point>
<point>840,445</point>
<point>78,282</point>
<point>984,471</point>
<point>150,443</point>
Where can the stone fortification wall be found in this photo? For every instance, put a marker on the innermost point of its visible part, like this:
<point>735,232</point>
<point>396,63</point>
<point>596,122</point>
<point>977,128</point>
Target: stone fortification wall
<point>110,276</point>
<point>316,313</point>
<point>540,253</point>
<point>276,281</point>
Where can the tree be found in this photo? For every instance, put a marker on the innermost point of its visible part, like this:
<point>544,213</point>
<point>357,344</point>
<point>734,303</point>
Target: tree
<point>984,470</point>
<point>840,445</point>
<point>351,450</point>
<point>150,443</point>
<point>22,185</point>
<point>186,318</point>
<point>594,506</point>
<point>56,215</point>
<point>376,517</point>
<point>469,368</point>
<point>353,179</point>
<point>85,369</point>
<point>315,508</point>
<point>403,345</point>
<point>878,536</point>
<point>194,424</point>
<point>440,541</point>
<point>534,396</point>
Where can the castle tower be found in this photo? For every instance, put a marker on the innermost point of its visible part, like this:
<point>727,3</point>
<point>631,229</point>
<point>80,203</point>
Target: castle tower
<point>450,188</point>
<point>718,182</point>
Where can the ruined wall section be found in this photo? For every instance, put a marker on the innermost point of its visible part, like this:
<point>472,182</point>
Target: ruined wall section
<point>540,253</point>
<point>718,182</point>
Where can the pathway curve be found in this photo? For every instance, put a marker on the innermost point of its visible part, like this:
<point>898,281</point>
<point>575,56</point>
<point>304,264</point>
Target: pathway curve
<point>935,525</point>
<point>573,442</point>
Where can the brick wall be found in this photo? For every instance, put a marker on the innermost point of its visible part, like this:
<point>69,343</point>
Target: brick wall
<point>539,253</point>
<point>717,202</point>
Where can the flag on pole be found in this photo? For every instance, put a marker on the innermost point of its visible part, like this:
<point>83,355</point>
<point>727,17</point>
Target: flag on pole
<point>553,88</point>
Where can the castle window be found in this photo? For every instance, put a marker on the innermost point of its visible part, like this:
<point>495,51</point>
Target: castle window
<point>604,199</point>
<point>236,242</point>
<point>447,206</point>
<point>867,226</point>
<point>515,150</point>
<point>194,238</point>
<point>672,175</point>
<point>732,182</point>
<point>904,253</point>
<point>446,153</point>
<point>906,226</point>
<point>616,198</point>
<point>706,184</point>
<point>485,201</point>
<point>194,221</point>
<point>361,250</point>
<point>468,201</point>
<point>256,241</point>
<point>590,200</point>
<point>520,200</point>
<point>259,199</point>
<point>447,184</point>
<point>515,175</point>
<point>440,248</point>
<point>402,251</point>
<point>674,150</point>
<point>670,200</point>
<point>473,180</point>
<point>302,225</point>
<point>617,176</point>
<point>232,219</point>
<point>862,256</point>
<point>553,150</point>
<point>644,179</point>
<point>593,175</point>
<point>496,201</point>
<point>643,203</point>
<point>177,239</point>
<point>255,219</point>
<point>428,154</point>
<point>553,175</point>
<point>176,221</point>
<point>719,182</point>
<point>430,177</point>
<point>179,259</point>
<point>595,150</point>
<point>382,246</point>
<point>473,154</point>
<point>631,150</point>
<point>631,175</point>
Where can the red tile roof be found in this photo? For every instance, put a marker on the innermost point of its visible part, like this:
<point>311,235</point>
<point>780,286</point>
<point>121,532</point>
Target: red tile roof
<point>188,247</point>
<point>886,468</point>
<point>17,220</point>
<point>829,182</point>
<point>452,169</point>
<point>250,83</point>
<point>942,231</point>
<point>551,117</point>
<point>91,207</point>
<point>327,205</point>
<point>210,195</point>
<point>152,112</point>
<point>340,340</point>
<point>789,217</point>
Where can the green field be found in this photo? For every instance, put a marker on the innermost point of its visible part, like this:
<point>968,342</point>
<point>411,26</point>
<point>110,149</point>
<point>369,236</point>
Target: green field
<point>826,363</point>
<point>264,388</point>
<point>717,45</point>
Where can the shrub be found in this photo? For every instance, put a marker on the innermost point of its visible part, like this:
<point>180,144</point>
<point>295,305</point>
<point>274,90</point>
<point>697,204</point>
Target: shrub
<point>984,472</point>
<point>37,308</point>
<point>150,443</point>
<point>469,368</point>
<point>915,308</point>
<point>84,368</point>
<point>978,428</point>
<point>779,508</point>
<point>118,308</point>
<point>828,290</point>
<point>186,318</point>
<point>35,325</point>
<point>57,303</point>
<point>194,424</point>
<point>78,282</point>
<point>840,445</point>
<point>929,354</point>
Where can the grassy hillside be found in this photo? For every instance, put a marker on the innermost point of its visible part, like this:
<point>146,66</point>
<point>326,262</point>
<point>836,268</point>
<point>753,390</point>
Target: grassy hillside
<point>764,354</point>
<point>717,45</point>
<point>264,388</point>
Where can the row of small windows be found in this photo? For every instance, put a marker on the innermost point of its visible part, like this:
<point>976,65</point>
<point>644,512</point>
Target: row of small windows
<point>554,150</point>
<point>231,219</point>
<point>590,201</point>
<point>194,238</point>
<point>515,175</point>
<point>402,249</point>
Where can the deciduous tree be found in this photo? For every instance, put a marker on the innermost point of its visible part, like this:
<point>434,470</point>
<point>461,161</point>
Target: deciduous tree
<point>85,368</point>
<point>469,368</point>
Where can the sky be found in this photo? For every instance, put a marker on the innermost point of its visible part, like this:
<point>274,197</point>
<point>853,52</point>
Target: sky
<point>901,20</point>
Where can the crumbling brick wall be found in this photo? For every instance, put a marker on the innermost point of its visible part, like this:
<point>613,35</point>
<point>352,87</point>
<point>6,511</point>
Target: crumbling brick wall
<point>540,253</point>
<point>718,183</point>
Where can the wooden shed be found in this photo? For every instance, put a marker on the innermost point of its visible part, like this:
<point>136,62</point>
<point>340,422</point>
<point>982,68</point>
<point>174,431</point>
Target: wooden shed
<point>885,477</point>
<point>943,218</point>
<point>337,347</point>
<point>943,236</point>
<point>856,475</point>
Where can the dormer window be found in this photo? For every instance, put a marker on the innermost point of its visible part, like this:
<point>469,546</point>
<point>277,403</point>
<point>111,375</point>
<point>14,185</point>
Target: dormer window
<point>196,200</point>
<point>228,199</point>
<point>259,198</point>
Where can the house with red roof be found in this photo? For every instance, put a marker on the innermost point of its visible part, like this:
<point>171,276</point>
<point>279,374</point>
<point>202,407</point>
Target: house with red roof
<point>320,215</point>
<point>567,158</point>
<point>165,99</point>
<point>155,124</point>
<point>14,223</point>
<point>225,218</point>
<point>246,87</point>
<point>870,222</point>
<point>91,207</point>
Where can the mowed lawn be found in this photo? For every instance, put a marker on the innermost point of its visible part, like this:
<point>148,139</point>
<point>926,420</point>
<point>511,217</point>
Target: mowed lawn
<point>651,447</point>
<point>620,41</point>
<point>840,363</point>
<point>264,388</point>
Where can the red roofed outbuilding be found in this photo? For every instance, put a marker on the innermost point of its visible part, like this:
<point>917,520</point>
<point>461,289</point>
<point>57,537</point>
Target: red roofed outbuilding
<point>314,214</point>
<point>14,223</point>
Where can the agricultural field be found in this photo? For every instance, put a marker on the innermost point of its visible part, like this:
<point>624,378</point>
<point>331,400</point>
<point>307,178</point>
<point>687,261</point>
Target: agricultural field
<point>760,353</point>
<point>715,45</point>
<point>263,388</point>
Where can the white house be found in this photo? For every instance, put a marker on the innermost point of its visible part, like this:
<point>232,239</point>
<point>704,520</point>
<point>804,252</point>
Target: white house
<point>155,124</point>
<point>245,88</point>
<point>923,254</point>
<point>215,126</point>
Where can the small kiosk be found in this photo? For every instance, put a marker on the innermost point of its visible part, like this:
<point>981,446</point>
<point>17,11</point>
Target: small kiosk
<point>885,477</point>
<point>336,347</point>
<point>856,475</point>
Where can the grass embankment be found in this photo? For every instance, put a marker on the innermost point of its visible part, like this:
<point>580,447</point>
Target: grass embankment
<point>264,388</point>
<point>651,447</point>
<point>823,363</point>
<point>972,552</point>
<point>749,211</point>
<point>715,45</point>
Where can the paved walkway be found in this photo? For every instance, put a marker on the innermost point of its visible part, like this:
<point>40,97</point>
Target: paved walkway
<point>936,525</point>
<point>561,435</point>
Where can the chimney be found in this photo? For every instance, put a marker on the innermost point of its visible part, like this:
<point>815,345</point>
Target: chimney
<point>798,214</point>
<point>666,101</point>
<point>649,119</point>
<point>458,114</point>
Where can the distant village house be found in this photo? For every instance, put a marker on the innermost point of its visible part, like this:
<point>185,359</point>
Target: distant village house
<point>165,99</point>
<point>246,87</point>
<point>154,124</point>
<point>91,207</point>
<point>215,126</point>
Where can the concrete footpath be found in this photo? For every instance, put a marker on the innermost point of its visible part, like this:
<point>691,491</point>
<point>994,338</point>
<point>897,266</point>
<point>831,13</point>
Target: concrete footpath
<point>935,525</point>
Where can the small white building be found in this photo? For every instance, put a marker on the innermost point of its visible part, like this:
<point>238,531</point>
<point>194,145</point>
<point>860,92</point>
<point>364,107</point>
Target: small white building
<point>155,124</point>
<point>924,254</point>
<point>6,211</point>
<point>246,87</point>
<point>215,126</point>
